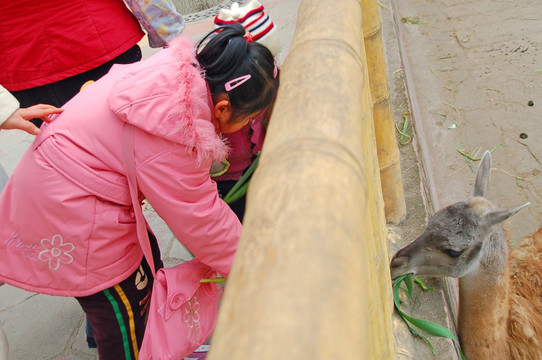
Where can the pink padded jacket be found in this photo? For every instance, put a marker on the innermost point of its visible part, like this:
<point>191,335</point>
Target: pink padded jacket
<point>66,224</point>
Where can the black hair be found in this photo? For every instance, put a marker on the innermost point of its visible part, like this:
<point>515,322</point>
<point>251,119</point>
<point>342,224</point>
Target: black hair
<point>225,54</point>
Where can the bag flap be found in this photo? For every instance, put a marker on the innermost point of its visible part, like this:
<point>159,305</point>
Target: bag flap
<point>182,281</point>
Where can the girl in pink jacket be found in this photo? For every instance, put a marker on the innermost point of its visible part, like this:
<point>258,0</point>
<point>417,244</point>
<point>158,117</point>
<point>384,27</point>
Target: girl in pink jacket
<point>66,223</point>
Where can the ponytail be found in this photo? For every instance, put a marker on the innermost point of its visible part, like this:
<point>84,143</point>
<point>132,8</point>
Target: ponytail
<point>227,54</point>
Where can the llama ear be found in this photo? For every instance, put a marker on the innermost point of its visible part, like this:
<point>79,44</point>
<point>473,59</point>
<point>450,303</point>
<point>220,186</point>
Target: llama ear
<point>482,176</point>
<point>497,216</point>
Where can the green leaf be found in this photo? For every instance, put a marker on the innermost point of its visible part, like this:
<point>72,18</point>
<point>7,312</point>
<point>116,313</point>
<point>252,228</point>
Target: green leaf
<point>237,195</point>
<point>408,283</point>
<point>430,327</point>
<point>422,285</point>
<point>218,280</point>
<point>240,188</point>
<point>424,338</point>
<point>424,325</point>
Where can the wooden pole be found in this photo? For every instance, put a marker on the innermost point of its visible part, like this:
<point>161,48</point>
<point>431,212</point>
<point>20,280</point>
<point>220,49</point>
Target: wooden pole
<point>306,282</point>
<point>387,150</point>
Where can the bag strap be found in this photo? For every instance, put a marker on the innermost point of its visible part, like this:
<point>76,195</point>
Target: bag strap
<point>129,165</point>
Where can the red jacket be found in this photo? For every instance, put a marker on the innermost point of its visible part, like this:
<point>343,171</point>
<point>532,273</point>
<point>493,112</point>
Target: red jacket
<point>44,41</point>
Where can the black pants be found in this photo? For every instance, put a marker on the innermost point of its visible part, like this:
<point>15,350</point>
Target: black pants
<point>60,92</point>
<point>118,315</point>
<point>238,206</point>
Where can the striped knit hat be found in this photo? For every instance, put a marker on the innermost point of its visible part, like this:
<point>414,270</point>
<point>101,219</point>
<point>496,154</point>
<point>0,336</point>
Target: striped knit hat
<point>254,19</point>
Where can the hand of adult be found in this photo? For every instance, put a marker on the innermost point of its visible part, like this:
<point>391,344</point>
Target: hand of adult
<point>20,119</point>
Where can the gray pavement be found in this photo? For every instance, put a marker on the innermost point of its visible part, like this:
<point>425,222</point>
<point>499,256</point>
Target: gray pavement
<point>466,73</point>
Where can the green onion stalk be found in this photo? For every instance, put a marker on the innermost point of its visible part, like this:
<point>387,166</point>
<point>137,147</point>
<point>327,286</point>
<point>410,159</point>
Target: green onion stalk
<point>424,325</point>
<point>236,192</point>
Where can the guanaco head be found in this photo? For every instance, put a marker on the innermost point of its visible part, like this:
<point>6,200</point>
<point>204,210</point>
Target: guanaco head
<point>455,236</point>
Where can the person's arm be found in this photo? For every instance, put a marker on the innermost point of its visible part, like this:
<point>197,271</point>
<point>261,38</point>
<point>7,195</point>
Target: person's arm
<point>14,117</point>
<point>8,104</point>
<point>184,196</point>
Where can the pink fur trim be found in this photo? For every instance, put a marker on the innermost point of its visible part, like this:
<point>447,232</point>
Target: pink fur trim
<point>194,132</point>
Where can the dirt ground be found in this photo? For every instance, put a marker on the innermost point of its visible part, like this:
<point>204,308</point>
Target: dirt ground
<point>467,75</point>
<point>474,72</point>
<point>431,305</point>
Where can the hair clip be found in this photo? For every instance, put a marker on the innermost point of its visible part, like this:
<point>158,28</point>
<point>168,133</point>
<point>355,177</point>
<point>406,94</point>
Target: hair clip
<point>248,37</point>
<point>275,70</point>
<point>232,84</point>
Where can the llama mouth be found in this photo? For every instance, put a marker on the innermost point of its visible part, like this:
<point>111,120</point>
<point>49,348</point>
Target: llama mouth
<point>402,274</point>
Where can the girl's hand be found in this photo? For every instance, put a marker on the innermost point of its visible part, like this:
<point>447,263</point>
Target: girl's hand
<point>20,119</point>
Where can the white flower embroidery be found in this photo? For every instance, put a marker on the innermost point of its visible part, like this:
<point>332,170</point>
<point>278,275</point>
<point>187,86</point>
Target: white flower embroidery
<point>56,252</point>
<point>191,315</point>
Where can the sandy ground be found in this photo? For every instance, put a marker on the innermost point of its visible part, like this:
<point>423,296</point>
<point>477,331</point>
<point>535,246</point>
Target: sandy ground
<point>475,79</point>
<point>473,76</point>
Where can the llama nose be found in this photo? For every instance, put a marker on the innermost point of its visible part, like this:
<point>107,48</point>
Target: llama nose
<point>398,264</point>
<point>398,260</point>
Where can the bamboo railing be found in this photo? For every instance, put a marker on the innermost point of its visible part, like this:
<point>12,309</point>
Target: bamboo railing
<point>387,150</point>
<point>311,278</point>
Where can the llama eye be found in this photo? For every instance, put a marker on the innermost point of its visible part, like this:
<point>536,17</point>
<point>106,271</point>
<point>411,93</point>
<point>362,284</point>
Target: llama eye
<point>453,253</point>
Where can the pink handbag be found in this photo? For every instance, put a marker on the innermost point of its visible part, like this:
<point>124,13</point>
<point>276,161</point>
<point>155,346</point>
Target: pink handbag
<point>182,313</point>
<point>183,310</point>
